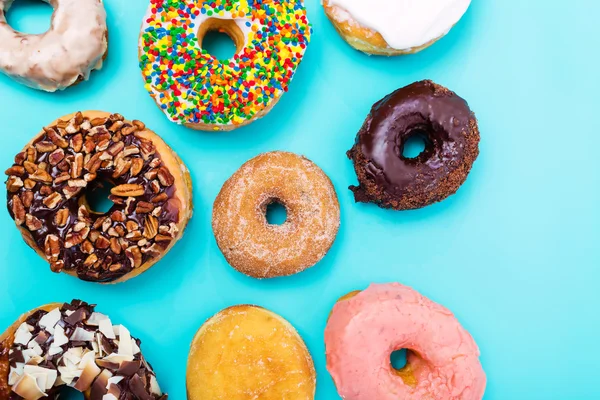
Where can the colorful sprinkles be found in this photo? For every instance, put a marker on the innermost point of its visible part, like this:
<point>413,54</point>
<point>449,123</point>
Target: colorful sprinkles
<point>193,87</point>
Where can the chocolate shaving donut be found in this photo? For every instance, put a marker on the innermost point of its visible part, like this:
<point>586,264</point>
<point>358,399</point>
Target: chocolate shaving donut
<point>60,345</point>
<point>72,157</point>
<point>447,126</point>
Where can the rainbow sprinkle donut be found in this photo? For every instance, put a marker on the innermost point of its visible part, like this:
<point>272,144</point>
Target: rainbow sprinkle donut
<point>195,89</point>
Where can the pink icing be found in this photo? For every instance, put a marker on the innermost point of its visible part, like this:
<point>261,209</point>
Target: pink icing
<point>363,331</point>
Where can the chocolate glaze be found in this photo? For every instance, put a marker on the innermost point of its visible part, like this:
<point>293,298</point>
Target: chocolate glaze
<point>74,257</point>
<point>136,371</point>
<point>449,130</point>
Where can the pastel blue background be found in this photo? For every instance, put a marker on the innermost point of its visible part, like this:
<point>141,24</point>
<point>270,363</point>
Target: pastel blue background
<point>514,254</point>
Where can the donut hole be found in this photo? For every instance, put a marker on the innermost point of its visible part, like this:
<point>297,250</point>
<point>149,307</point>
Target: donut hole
<point>30,16</point>
<point>97,199</point>
<point>398,359</point>
<point>70,394</point>
<point>401,367</point>
<point>219,45</point>
<point>415,144</point>
<point>276,213</point>
<point>220,38</point>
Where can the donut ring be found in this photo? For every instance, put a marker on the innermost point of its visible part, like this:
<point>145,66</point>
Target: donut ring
<point>60,345</point>
<point>195,89</point>
<point>366,327</point>
<point>391,27</point>
<point>261,250</point>
<point>447,126</point>
<point>75,155</point>
<point>248,352</point>
<point>74,46</point>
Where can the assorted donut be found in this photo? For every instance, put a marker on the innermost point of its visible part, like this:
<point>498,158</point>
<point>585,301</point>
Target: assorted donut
<point>422,110</point>
<point>70,345</point>
<point>260,249</point>
<point>248,352</point>
<point>366,327</point>
<point>392,27</point>
<point>197,90</point>
<point>244,351</point>
<point>74,46</point>
<point>71,158</point>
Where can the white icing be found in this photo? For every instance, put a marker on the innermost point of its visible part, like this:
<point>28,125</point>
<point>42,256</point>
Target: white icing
<point>404,24</point>
<point>72,48</point>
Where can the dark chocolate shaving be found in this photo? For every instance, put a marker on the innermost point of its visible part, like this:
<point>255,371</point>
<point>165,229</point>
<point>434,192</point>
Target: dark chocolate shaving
<point>136,376</point>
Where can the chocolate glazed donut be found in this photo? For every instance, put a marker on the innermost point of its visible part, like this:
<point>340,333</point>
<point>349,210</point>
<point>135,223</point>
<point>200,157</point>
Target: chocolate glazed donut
<point>447,126</point>
<point>50,179</point>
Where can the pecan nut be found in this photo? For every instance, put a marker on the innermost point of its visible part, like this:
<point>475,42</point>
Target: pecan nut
<point>52,247</point>
<point>33,224</point>
<point>135,256</point>
<point>14,183</point>
<point>18,210</point>
<point>128,190</point>
<point>61,217</point>
<point>17,170</point>
<point>150,227</point>
<point>53,200</point>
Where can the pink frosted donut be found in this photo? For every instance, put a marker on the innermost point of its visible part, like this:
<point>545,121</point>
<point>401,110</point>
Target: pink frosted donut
<point>365,328</point>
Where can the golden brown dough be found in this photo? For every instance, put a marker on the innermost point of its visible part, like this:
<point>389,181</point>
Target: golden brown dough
<point>262,250</point>
<point>247,352</point>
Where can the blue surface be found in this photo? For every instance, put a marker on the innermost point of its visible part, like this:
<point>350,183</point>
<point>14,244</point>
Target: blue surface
<point>514,254</point>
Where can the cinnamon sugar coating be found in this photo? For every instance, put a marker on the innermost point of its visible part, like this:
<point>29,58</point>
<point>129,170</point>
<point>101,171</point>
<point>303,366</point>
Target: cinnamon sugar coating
<point>262,250</point>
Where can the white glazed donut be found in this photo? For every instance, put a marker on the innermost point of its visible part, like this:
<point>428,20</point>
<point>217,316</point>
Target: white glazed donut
<point>75,44</point>
<point>394,27</point>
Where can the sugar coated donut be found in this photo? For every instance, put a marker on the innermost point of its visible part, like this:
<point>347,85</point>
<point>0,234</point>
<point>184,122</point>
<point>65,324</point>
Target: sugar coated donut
<point>393,27</point>
<point>449,130</point>
<point>195,89</point>
<point>365,328</point>
<point>71,158</point>
<point>262,250</point>
<point>70,345</point>
<point>66,54</point>
<point>247,352</point>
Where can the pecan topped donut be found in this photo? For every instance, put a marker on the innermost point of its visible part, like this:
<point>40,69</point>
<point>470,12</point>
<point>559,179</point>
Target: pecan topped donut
<point>70,345</point>
<point>49,181</point>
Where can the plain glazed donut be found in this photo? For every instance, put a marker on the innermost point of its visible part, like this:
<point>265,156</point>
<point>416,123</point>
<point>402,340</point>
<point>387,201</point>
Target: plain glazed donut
<point>77,154</point>
<point>70,345</point>
<point>76,44</point>
<point>366,327</point>
<point>261,250</point>
<point>449,130</point>
<point>195,89</point>
<point>247,352</point>
<point>393,27</point>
